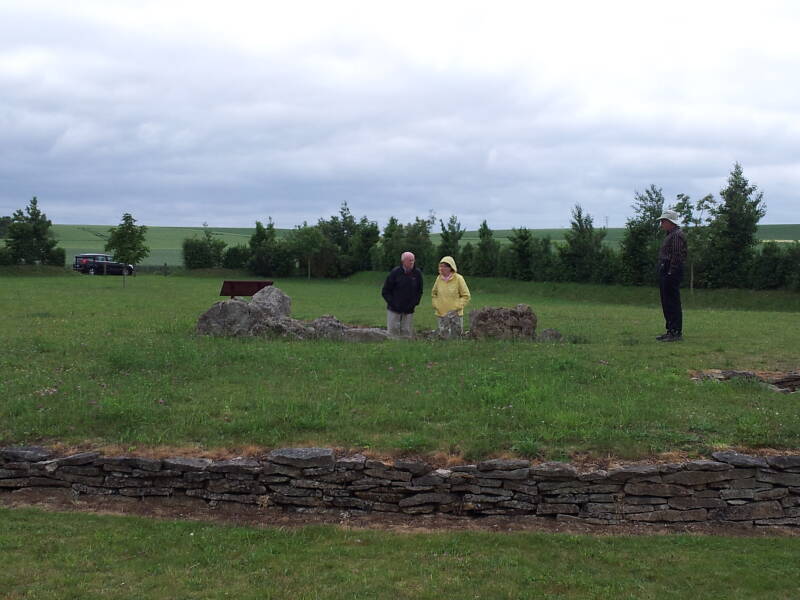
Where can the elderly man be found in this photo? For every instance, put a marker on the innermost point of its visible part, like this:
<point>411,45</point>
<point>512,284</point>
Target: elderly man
<point>402,291</point>
<point>671,258</point>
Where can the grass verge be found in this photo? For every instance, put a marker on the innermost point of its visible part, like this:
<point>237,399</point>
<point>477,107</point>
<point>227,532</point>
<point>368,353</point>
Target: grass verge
<point>47,555</point>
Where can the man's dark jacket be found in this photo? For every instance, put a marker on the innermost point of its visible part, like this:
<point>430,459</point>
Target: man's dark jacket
<point>402,291</point>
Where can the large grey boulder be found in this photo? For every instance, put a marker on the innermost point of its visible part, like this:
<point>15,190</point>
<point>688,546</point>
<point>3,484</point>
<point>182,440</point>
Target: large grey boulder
<point>267,315</point>
<point>230,318</point>
<point>273,302</point>
<point>503,323</point>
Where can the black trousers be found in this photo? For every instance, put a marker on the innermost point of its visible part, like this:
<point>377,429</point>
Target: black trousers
<point>670,287</point>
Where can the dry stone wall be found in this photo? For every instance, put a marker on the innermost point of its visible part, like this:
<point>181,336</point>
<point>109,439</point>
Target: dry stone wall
<point>733,487</point>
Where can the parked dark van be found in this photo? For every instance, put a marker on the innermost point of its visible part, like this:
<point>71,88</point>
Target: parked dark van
<point>100,264</point>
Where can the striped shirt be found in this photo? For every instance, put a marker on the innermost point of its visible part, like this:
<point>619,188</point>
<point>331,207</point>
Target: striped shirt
<point>673,250</point>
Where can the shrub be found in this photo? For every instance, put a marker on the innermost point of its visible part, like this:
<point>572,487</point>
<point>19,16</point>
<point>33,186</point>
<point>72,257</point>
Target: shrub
<point>197,254</point>
<point>56,257</point>
<point>236,257</point>
<point>5,256</point>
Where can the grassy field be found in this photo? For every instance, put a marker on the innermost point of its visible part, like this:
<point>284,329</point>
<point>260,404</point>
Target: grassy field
<point>68,556</point>
<point>86,360</point>
<point>165,242</point>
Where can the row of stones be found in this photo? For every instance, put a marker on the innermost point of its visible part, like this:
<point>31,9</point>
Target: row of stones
<point>732,487</point>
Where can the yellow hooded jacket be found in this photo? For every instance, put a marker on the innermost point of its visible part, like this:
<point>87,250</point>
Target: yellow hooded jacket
<point>450,295</point>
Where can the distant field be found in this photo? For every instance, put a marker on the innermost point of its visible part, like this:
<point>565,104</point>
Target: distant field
<point>165,242</point>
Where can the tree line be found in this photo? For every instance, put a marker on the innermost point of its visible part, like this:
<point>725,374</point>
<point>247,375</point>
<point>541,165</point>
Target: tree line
<point>721,232</point>
<point>29,239</point>
<point>723,248</point>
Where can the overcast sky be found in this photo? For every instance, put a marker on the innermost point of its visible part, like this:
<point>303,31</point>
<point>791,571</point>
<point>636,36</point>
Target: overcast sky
<point>231,112</point>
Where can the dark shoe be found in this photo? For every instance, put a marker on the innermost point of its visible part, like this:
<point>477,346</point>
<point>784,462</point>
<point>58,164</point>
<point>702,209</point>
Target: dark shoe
<point>674,336</point>
<point>663,337</point>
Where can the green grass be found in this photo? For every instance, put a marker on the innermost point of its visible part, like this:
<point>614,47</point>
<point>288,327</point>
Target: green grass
<point>91,556</point>
<point>165,242</point>
<point>85,359</point>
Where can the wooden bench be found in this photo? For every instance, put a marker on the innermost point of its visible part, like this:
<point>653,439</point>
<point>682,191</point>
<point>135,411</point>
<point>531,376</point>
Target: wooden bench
<point>242,288</point>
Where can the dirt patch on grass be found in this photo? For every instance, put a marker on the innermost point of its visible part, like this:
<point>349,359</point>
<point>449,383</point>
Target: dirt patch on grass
<point>779,381</point>
<point>230,513</point>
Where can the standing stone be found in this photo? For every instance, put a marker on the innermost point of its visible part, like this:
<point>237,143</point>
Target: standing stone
<point>273,301</point>
<point>449,326</point>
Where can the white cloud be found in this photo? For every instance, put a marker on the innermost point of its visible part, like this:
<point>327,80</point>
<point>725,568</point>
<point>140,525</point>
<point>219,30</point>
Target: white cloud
<point>514,111</point>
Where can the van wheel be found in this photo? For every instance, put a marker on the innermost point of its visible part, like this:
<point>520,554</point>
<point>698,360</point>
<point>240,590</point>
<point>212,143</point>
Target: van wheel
<point>91,270</point>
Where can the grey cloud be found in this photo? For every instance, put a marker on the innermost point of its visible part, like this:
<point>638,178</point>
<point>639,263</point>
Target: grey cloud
<point>180,130</point>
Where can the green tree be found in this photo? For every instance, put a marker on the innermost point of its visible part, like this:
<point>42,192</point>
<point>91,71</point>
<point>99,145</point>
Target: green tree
<point>418,240</point>
<point>263,236</point>
<point>350,242</point>
<point>521,254</point>
<point>542,262</point>
<point>126,241</point>
<point>695,220</point>
<point>732,232</point>
<point>364,240</point>
<point>582,256</point>
<point>307,244</point>
<point>487,253</point>
<point>30,240</point>
<point>269,256</point>
<point>4,223</point>
<point>450,238</point>
<point>642,238</point>
<point>392,243</point>
<point>466,261</point>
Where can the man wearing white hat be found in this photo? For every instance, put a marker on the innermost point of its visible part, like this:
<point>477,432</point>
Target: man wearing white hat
<point>671,258</point>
